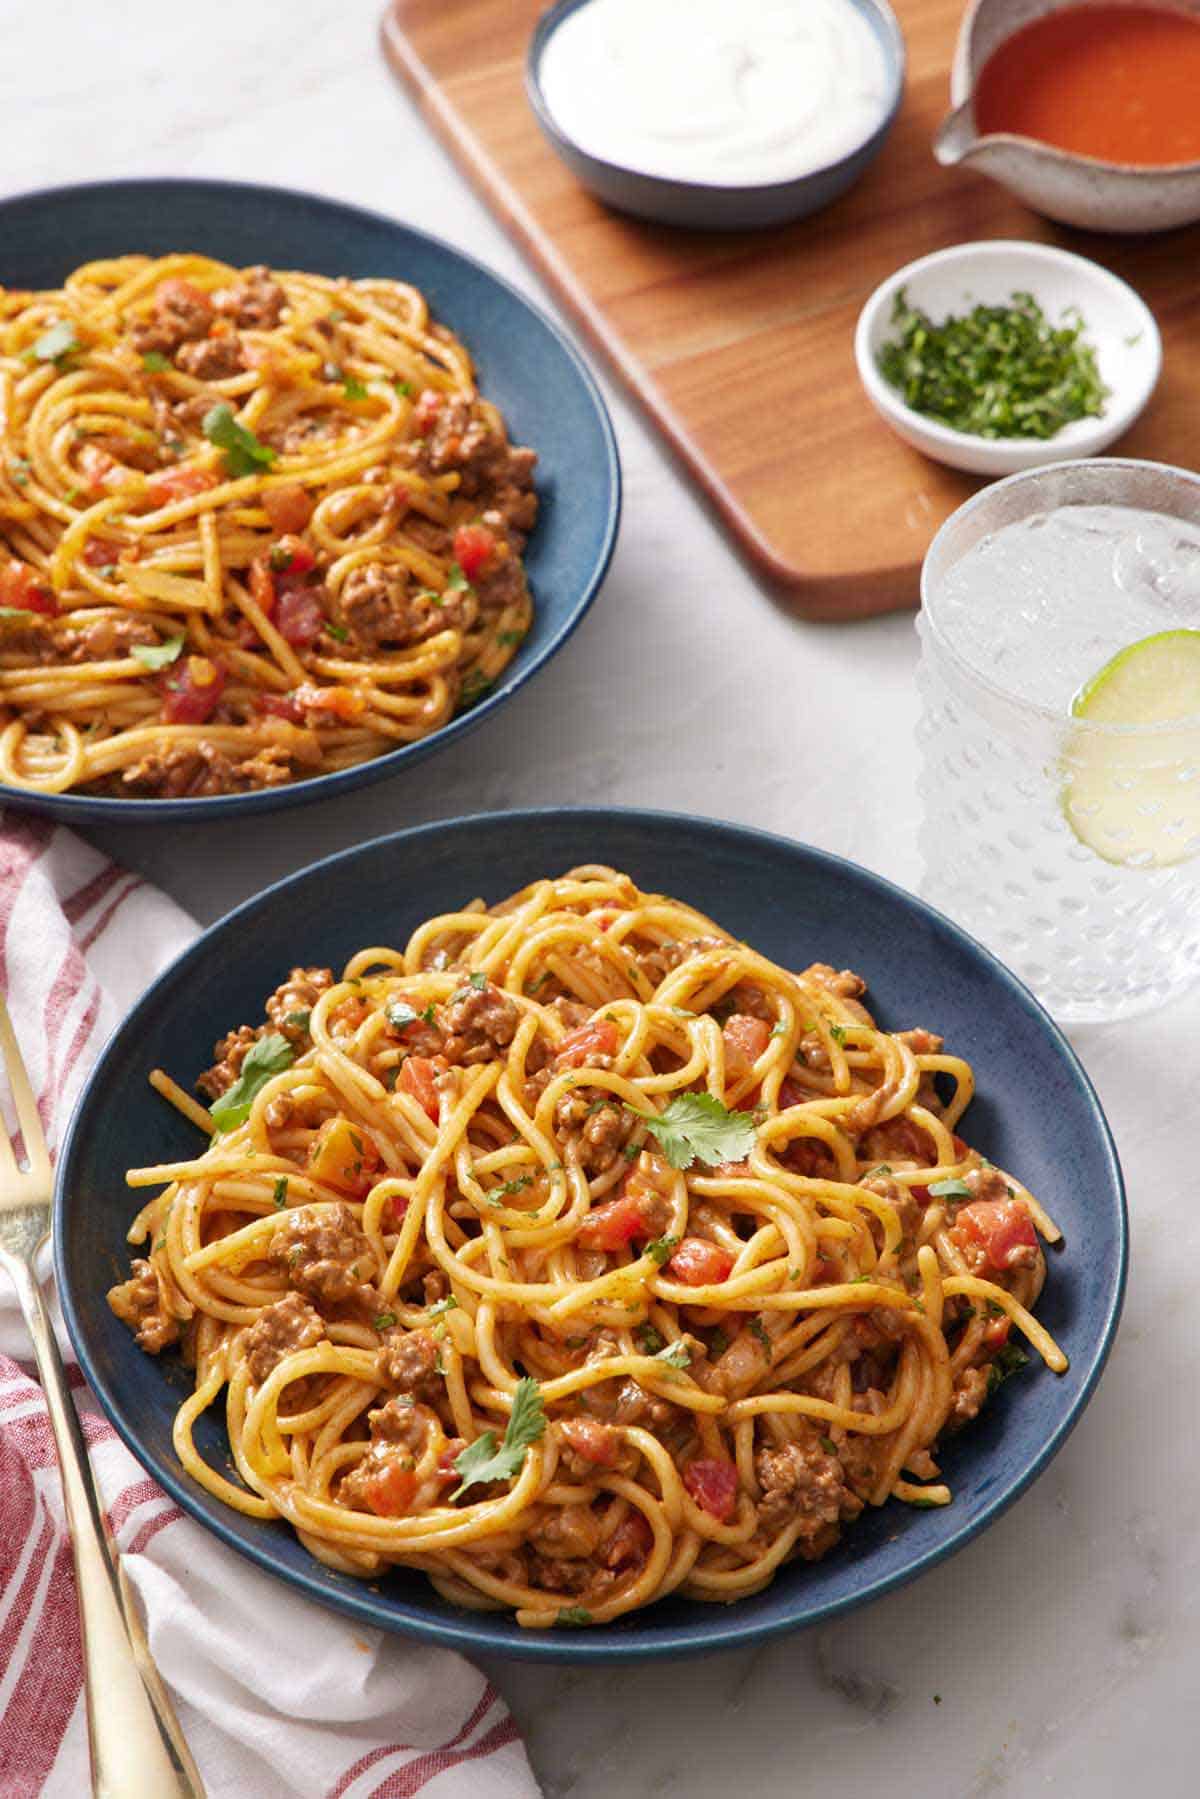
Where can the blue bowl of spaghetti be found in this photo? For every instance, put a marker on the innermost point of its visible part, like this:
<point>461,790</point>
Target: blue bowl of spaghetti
<point>1035,1111</point>
<point>527,369</point>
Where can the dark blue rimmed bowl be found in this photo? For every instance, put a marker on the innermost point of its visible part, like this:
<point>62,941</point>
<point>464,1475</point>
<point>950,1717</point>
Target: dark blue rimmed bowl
<point>706,205</point>
<point>525,365</point>
<point>1036,1112</point>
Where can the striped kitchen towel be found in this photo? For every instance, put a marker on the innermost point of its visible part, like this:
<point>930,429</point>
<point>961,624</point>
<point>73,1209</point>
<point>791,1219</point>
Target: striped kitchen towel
<point>278,1697</point>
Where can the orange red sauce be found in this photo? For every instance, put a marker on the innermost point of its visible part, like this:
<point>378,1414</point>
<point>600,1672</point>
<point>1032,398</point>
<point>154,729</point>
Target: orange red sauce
<point>1118,82</point>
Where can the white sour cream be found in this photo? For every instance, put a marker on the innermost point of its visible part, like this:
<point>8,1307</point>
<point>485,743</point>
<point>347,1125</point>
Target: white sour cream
<point>735,93</point>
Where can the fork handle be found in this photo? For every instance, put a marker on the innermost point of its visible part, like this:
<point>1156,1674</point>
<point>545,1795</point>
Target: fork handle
<point>138,1749</point>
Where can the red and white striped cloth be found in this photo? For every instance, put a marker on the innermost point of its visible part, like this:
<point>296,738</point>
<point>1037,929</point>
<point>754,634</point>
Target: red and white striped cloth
<point>279,1698</point>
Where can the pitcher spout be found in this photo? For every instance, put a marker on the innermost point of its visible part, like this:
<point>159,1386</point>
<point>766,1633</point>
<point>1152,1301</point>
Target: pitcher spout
<point>956,138</point>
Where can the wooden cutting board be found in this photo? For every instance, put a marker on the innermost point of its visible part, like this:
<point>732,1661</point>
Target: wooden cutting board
<point>741,347</point>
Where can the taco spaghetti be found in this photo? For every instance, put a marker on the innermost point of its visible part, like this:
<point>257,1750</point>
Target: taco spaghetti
<point>577,1254</point>
<point>255,526</point>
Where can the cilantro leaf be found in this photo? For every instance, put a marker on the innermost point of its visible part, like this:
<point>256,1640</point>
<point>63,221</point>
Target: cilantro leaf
<point>281,1192</point>
<point>1011,1358</point>
<point>457,578</point>
<point>481,1461</point>
<point>648,1339</point>
<point>951,1189</point>
<point>838,1033</point>
<point>155,362</point>
<point>269,1056</point>
<point>59,341</point>
<point>404,389</point>
<point>660,1249</point>
<point>244,455</point>
<point>695,1126</point>
<point>574,1614</point>
<point>156,655</point>
<point>441,1306</point>
<point>353,388</point>
<point>675,1355</point>
<point>400,1015</point>
<point>383,1320</point>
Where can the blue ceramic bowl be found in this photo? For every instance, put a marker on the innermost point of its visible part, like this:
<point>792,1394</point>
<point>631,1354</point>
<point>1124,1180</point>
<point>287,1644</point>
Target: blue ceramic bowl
<point>704,205</point>
<point>1036,1112</point>
<point>525,365</point>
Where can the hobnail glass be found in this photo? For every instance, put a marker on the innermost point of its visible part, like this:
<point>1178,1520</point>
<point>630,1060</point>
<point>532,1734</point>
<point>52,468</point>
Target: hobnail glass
<point>1097,936</point>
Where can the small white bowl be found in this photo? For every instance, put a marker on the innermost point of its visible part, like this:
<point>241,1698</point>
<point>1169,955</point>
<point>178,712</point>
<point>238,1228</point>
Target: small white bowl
<point>1117,322</point>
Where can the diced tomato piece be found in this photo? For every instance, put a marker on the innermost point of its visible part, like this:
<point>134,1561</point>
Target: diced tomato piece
<point>171,484</point>
<point>630,1543</point>
<point>1002,1228</point>
<point>300,619</point>
<point>745,1039</point>
<point>193,691</point>
<point>262,585</point>
<point>344,1156</point>
<point>395,1211</point>
<point>598,1037</point>
<point>610,1227</point>
<point>961,1149</point>
<point>593,1441</point>
<point>389,1489</point>
<point>344,703</point>
<point>698,1263</point>
<point>280,705</point>
<point>445,1468</point>
<point>474,546</point>
<point>291,558</point>
<point>428,405</point>
<point>997,1332</point>
<point>288,507</point>
<point>417,1077</point>
<point>98,554</point>
<point>98,468</point>
<point>21,588</point>
<point>713,1486</point>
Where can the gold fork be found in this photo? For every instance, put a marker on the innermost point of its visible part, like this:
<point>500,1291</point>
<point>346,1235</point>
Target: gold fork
<point>138,1748</point>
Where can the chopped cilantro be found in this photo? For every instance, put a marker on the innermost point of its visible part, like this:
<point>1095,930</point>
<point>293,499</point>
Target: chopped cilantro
<point>514,1186</point>
<point>838,1033</point>
<point>828,1445</point>
<point>481,1460</point>
<point>1010,1359</point>
<point>507,638</point>
<point>404,389</point>
<point>156,655</point>
<point>660,1249</point>
<point>353,388</point>
<point>400,1015</point>
<point>155,362</point>
<point>57,343</point>
<point>269,1056</point>
<point>675,1355</point>
<point>996,371</point>
<point>338,632</point>
<point>298,1021</point>
<point>648,1339</point>
<point>718,1343</point>
<point>574,1615</point>
<point>244,455</point>
<point>281,1192</point>
<point>457,579</point>
<point>697,1126</point>
<point>478,980</point>
<point>441,1306</point>
<point>758,1330</point>
<point>952,1189</point>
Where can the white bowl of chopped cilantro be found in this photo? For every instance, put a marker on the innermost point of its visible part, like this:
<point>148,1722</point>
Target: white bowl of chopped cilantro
<point>998,356</point>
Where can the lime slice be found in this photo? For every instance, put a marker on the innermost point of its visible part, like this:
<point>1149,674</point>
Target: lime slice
<point>1135,799</point>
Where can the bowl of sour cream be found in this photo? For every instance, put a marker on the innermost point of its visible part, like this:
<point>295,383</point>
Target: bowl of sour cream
<point>716,114</point>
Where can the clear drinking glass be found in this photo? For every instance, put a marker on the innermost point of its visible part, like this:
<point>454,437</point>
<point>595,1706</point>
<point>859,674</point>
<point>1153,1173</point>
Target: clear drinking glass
<point>1017,792</point>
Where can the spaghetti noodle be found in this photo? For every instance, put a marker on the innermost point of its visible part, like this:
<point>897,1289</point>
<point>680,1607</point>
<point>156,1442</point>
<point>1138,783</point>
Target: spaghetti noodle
<point>578,1254</point>
<point>254,526</point>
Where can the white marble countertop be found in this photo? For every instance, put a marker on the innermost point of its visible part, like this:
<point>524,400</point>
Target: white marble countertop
<point>1059,1653</point>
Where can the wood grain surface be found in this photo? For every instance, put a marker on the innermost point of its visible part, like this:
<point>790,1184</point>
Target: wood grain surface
<point>740,346</point>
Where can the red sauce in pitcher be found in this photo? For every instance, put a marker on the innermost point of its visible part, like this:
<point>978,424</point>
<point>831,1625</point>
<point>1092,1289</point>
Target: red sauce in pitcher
<point>1117,82</point>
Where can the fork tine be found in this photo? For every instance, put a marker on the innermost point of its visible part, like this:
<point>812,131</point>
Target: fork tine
<point>26,1105</point>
